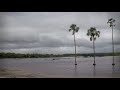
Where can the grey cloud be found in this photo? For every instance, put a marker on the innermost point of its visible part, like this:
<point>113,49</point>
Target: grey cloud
<point>40,30</point>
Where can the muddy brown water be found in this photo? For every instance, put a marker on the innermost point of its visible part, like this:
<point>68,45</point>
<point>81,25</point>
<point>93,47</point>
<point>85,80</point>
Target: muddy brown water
<point>64,66</point>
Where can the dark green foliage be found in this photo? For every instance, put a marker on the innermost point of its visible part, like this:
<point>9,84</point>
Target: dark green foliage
<point>74,28</point>
<point>93,33</point>
<point>14,55</point>
<point>111,21</point>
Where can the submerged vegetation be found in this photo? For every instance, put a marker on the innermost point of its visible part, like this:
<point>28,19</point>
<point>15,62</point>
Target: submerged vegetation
<point>18,55</point>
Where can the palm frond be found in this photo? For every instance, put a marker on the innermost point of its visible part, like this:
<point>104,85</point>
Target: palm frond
<point>74,25</point>
<point>70,30</point>
<point>111,21</point>
<point>98,32</point>
<point>88,34</point>
<point>73,32</point>
<point>74,28</point>
<point>77,29</point>
<point>90,38</point>
<point>110,25</point>
<point>98,35</point>
<point>94,38</point>
<point>93,33</point>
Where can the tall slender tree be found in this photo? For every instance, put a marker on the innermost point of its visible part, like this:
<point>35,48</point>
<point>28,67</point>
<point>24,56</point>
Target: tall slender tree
<point>111,21</point>
<point>74,30</point>
<point>93,34</point>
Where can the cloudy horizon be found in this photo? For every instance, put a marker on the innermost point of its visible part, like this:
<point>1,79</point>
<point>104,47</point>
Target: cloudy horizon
<point>47,32</point>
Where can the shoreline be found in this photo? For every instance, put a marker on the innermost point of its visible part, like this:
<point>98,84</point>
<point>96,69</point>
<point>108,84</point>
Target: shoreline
<point>55,57</point>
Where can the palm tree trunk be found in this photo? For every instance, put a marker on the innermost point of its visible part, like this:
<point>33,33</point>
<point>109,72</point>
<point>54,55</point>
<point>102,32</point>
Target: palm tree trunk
<point>75,49</point>
<point>94,50</point>
<point>112,45</point>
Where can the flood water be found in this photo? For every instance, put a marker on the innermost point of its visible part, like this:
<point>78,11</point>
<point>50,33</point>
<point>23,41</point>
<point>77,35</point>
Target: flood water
<point>64,66</point>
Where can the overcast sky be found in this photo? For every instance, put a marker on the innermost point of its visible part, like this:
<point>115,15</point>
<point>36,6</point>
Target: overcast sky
<point>47,32</point>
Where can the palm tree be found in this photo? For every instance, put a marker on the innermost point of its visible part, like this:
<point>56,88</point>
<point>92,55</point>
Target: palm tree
<point>93,34</point>
<point>74,30</point>
<point>111,22</point>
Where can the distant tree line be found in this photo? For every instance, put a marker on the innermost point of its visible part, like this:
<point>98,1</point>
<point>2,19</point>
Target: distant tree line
<point>17,55</point>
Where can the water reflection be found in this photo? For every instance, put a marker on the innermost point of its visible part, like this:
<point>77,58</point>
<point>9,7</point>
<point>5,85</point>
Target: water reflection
<point>94,71</point>
<point>113,70</point>
<point>75,72</point>
<point>113,61</point>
